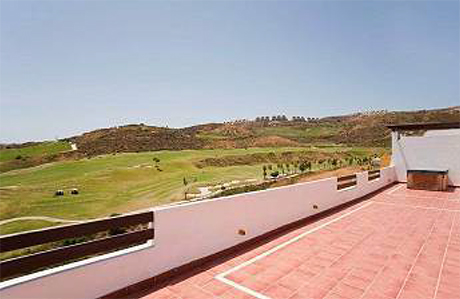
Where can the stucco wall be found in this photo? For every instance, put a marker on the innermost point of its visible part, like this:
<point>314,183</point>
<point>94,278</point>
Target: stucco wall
<point>188,232</point>
<point>434,150</point>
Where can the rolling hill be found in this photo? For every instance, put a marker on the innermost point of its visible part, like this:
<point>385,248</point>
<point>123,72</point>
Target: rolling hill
<point>358,129</point>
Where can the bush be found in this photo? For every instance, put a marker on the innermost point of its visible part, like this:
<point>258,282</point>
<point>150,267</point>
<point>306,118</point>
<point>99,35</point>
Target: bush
<point>244,189</point>
<point>117,231</point>
<point>73,241</point>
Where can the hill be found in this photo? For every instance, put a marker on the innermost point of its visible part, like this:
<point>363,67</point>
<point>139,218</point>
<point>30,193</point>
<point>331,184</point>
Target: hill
<point>358,129</point>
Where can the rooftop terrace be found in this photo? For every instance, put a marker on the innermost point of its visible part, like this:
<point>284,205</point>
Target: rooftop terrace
<point>399,243</point>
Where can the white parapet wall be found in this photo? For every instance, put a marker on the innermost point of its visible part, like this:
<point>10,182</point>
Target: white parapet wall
<point>187,232</point>
<point>435,150</point>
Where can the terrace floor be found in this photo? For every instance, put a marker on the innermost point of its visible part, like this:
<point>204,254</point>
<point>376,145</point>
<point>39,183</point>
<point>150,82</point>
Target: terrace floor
<point>397,244</point>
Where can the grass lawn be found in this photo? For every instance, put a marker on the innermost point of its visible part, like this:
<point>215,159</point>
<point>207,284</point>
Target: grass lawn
<point>299,133</point>
<point>45,148</point>
<point>118,183</point>
<point>22,225</point>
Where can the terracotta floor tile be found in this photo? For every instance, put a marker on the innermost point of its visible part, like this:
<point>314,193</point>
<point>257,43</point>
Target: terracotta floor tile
<point>391,247</point>
<point>294,280</point>
<point>234,294</point>
<point>162,294</point>
<point>256,284</point>
<point>216,287</point>
<point>418,286</point>
<point>334,296</point>
<point>308,292</point>
<point>347,291</point>
<point>356,281</point>
<point>278,292</point>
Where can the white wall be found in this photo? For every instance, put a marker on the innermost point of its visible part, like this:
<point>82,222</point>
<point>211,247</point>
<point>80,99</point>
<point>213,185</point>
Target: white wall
<point>187,232</point>
<point>425,152</point>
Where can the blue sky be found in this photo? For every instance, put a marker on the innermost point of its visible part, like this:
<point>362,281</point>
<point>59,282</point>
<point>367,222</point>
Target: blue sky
<point>71,66</point>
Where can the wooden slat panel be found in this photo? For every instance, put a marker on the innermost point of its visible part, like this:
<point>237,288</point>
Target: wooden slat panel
<point>373,171</point>
<point>27,264</point>
<point>346,178</point>
<point>23,240</point>
<point>373,176</point>
<point>345,185</point>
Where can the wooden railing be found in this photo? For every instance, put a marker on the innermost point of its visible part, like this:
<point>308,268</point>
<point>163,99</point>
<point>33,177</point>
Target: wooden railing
<point>107,234</point>
<point>346,181</point>
<point>373,174</point>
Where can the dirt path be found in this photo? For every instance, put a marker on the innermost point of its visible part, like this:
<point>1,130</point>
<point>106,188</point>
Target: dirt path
<point>45,218</point>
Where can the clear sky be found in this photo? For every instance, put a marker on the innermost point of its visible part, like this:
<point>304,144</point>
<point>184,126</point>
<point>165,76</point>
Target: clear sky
<point>72,66</point>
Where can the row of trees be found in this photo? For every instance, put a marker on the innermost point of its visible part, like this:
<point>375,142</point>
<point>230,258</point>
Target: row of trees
<point>321,164</point>
<point>283,118</point>
<point>273,118</point>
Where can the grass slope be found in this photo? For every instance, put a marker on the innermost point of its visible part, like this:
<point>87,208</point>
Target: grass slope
<point>111,183</point>
<point>119,183</point>
<point>17,158</point>
<point>45,148</point>
<point>22,225</point>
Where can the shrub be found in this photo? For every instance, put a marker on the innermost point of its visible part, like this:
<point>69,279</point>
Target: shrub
<point>73,241</point>
<point>117,231</point>
<point>275,174</point>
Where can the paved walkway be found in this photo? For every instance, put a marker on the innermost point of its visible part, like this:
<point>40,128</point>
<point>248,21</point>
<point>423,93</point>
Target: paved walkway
<point>399,244</point>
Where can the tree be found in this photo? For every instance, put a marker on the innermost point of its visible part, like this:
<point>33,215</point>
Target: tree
<point>302,167</point>
<point>295,165</point>
<point>350,161</point>
<point>264,168</point>
<point>320,162</point>
<point>282,167</point>
<point>365,160</point>
<point>184,181</point>
<point>334,163</point>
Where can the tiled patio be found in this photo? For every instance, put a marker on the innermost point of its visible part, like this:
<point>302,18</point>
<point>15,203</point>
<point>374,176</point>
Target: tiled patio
<point>398,244</point>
